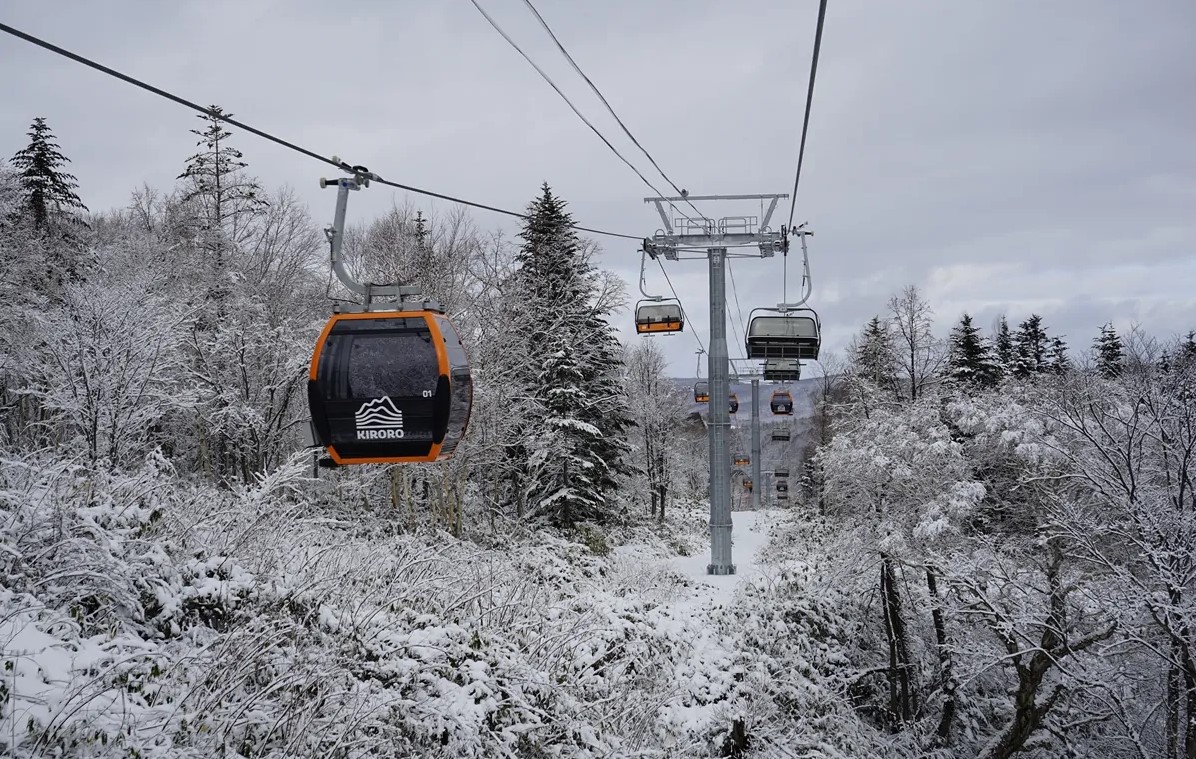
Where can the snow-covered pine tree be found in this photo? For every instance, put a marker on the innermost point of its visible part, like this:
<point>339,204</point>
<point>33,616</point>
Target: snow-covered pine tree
<point>1003,348</point>
<point>50,255</point>
<point>568,475</point>
<point>874,360</point>
<point>1030,348</point>
<point>1057,360</point>
<point>970,359</point>
<point>1187,349</point>
<point>227,199</point>
<point>579,445</point>
<point>1109,352</point>
<point>48,192</point>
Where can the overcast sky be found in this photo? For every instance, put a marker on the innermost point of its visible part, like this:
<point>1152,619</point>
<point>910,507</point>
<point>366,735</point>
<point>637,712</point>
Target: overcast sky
<point>1016,156</point>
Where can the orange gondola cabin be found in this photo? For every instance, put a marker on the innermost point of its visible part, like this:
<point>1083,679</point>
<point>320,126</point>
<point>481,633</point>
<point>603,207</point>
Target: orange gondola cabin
<point>389,387</point>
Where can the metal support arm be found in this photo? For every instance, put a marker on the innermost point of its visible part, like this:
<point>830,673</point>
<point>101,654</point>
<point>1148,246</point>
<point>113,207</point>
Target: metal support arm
<point>336,238</point>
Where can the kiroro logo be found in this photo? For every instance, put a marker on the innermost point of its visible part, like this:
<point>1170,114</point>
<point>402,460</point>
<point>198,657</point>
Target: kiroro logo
<point>379,420</point>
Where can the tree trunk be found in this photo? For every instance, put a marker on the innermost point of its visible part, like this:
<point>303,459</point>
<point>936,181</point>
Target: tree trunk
<point>946,673</point>
<point>662,484</point>
<point>900,710</point>
<point>1173,704</point>
<point>1190,688</point>
<point>395,477</point>
<point>1028,713</point>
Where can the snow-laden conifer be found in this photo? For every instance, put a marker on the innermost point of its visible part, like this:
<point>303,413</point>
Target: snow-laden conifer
<point>575,363</point>
<point>1110,353</point>
<point>970,360</point>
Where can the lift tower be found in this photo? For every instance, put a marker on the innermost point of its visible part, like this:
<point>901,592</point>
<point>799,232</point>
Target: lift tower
<point>689,238</point>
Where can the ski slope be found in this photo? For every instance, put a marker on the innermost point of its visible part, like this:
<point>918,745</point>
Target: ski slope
<point>749,534</point>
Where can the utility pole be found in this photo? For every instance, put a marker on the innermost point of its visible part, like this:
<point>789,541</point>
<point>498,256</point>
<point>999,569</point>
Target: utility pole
<point>710,239</point>
<point>756,483</point>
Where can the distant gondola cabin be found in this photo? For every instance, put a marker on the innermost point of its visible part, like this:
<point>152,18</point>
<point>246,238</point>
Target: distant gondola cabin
<point>781,402</point>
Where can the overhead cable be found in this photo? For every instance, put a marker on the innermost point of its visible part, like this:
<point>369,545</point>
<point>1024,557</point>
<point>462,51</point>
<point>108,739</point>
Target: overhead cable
<point>805,127</point>
<point>272,138</point>
<point>735,291</point>
<point>678,299</point>
<point>578,113</point>
<point>609,108</point>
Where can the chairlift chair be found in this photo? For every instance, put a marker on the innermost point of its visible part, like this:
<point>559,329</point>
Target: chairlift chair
<point>782,495</point>
<point>781,402</point>
<point>784,333</point>
<point>742,460</point>
<point>782,487</point>
<point>747,485</point>
<point>654,317</point>
<point>656,314</point>
<point>780,472</point>
<point>782,370</point>
<point>734,401</point>
<point>702,391</point>
<point>781,434</point>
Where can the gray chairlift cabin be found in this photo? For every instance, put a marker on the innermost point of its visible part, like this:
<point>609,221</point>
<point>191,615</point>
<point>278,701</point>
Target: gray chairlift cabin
<point>784,333</point>
<point>791,330</point>
<point>782,370</point>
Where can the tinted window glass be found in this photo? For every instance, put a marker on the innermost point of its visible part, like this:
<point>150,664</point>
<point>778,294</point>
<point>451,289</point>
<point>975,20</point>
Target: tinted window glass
<point>396,365</point>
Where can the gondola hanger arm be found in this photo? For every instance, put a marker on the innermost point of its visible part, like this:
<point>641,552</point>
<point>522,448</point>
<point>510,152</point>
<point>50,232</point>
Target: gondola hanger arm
<point>336,237</point>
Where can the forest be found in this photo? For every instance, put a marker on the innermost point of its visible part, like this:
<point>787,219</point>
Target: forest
<point>992,552</point>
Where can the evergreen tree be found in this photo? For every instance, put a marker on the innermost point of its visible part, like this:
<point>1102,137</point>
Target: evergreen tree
<point>1109,352</point>
<point>874,359</point>
<point>227,199</point>
<point>1030,348</point>
<point>970,360</point>
<point>1187,349</point>
<point>1057,360</point>
<point>569,478</point>
<point>575,368</point>
<point>42,207</point>
<point>49,196</point>
<point>1004,348</point>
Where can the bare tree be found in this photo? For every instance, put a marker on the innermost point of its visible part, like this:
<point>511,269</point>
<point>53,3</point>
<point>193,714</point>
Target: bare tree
<point>918,352</point>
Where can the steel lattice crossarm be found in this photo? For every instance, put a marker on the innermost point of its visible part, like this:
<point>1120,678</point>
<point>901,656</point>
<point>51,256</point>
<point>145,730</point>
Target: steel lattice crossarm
<point>699,235</point>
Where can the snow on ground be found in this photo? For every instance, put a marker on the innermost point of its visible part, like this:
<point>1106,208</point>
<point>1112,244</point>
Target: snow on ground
<point>749,534</point>
<point>703,679</point>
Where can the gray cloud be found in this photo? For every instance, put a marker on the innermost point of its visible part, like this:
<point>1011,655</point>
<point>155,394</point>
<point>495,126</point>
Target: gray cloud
<point>1012,156</point>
